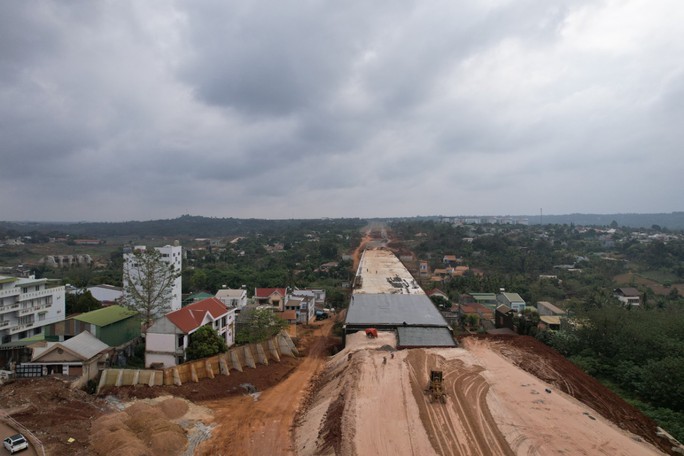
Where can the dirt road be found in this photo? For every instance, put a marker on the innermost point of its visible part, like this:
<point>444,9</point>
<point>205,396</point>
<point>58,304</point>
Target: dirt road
<point>246,427</point>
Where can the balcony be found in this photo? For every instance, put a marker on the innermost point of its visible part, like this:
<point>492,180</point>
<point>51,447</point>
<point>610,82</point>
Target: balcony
<point>10,308</point>
<point>40,293</point>
<point>4,323</point>
<point>34,309</point>
<point>20,328</point>
<point>10,292</point>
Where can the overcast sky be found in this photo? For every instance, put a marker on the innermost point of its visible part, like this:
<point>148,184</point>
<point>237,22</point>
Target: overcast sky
<point>138,110</point>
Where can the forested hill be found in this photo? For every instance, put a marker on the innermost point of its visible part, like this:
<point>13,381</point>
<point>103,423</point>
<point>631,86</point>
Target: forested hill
<point>672,221</point>
<point>185,225</point>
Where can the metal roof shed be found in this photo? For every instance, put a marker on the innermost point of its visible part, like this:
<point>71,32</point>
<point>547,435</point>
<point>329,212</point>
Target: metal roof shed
<point>392,310</point>
<point>417,336</point>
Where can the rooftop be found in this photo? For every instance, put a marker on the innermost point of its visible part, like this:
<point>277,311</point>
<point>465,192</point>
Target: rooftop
<point>106,315</point>
<point>412,336</point>
<point>393,310</point>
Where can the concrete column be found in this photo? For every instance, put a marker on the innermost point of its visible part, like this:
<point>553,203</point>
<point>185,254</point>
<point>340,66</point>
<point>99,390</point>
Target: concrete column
<point>273,350</point>
<point>261,355</point>
<point>235,359</point>
<point>249,358</point>
<point>223,365</point>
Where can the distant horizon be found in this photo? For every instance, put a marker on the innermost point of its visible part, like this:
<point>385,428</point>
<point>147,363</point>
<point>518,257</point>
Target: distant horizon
<point>529,216</point>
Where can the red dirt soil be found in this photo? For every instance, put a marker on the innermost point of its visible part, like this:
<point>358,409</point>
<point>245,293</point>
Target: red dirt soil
<point>550,366</point>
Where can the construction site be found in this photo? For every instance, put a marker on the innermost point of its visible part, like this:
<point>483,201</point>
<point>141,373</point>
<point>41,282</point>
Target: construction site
<point>400,385</point>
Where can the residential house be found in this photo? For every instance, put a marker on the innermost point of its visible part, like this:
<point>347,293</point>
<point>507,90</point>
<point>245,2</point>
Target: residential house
<point>486,299</point>
<point>275,297</point>
<point>196,297</point>
<point>114,325</point>
<point>457,271</point>
<point>628,296</point>
<point>27,305</point>
<point>81,356</point>
<point>171,255</point>
<point>450,260</point>
<point>233,298</point>
<point>482,311</point>
<point>504,317</point>
<point>290,316</point>
<point>552,322</point>
<point>423,268</point>
<point>317,294</point>
<point>511,300</point>
<point>546,308</point>
<point>304,307</point>
<point>437,292</point>
<point>168,338</point>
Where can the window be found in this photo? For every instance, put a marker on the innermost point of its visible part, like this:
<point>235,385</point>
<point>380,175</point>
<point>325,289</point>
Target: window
<point>180,341</point>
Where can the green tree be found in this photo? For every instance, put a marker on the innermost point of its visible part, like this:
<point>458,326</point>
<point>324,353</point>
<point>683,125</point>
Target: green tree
<point>205,342</point>
<point>81,302</point>
<point>261,325</point>
<point>440,302</point>
<point>148,284</point>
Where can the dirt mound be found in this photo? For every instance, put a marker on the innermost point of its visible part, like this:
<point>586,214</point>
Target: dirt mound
<point>174,408</point>
<point>143,428</point>
<point>53,412</point>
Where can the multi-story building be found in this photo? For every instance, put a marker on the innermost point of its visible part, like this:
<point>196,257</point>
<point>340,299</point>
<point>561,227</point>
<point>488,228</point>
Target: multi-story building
<point>170,254</point>
<point>27,305</point>
<point>168,338</point>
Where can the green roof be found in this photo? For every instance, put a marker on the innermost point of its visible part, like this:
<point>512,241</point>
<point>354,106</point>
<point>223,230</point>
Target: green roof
<point>198,297</point>
<point>24,342</point>
<point>106,315</point>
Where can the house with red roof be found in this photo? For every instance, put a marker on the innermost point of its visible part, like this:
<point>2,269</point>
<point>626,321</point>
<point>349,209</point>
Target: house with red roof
<point>276,297</point>
<point>168,337</point>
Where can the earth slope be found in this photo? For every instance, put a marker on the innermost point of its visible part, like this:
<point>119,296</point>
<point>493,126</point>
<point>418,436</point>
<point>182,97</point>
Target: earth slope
<point>371,399</point>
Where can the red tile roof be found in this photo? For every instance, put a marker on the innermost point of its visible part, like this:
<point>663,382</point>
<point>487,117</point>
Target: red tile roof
<point>192,316</point>
<point>266,292</point>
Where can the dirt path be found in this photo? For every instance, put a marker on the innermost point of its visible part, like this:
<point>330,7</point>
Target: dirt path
<point>246,427</point>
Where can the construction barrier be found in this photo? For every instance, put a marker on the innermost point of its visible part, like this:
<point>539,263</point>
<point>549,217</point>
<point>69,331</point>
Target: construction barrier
<point>236,358</point>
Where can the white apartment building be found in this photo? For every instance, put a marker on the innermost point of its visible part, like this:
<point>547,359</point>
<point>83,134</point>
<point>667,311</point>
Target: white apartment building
<point>171,254</point>
<point>26,305</point>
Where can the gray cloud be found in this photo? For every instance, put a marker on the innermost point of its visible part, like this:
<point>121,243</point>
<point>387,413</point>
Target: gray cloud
<point>129,110</point>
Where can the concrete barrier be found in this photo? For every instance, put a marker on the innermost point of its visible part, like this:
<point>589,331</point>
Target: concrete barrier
<point>194,371</point>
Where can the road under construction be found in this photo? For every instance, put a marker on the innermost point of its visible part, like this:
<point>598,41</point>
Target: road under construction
<point>387,297</point>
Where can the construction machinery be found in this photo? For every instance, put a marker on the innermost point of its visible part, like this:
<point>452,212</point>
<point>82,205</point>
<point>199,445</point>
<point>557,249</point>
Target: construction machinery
<point>371,333</point>
<point>436,387</point>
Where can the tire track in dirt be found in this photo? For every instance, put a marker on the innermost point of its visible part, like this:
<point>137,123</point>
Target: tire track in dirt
<point>464,425</point>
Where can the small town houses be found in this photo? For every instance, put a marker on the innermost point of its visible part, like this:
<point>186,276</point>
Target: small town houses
<point>167,339</point>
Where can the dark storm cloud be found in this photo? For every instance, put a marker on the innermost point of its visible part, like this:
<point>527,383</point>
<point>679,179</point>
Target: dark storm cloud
<point>123,110</point>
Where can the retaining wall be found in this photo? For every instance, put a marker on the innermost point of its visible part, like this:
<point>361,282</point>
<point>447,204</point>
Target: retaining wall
<point>236,358</point>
